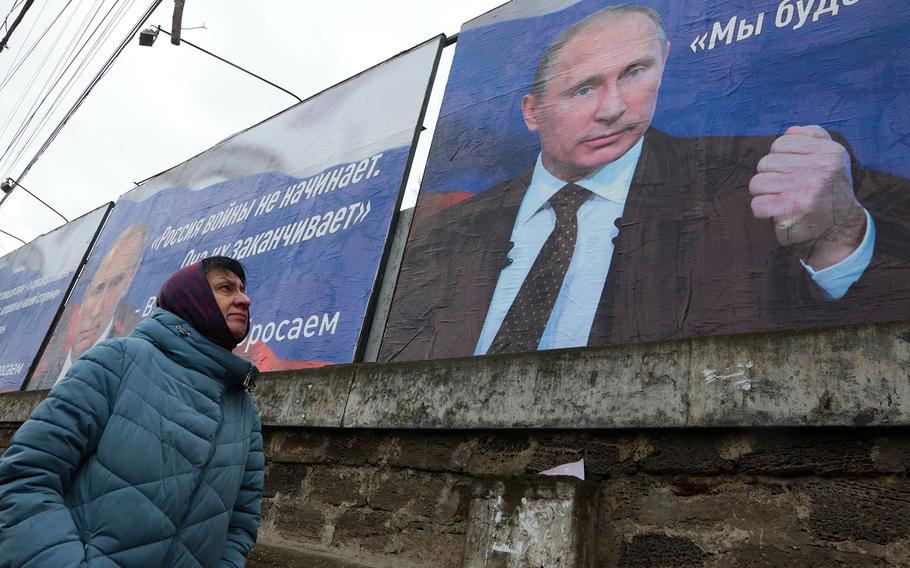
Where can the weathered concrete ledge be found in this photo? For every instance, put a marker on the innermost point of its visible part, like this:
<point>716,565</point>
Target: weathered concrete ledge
<point>16,407</point>
<point>844,376</point>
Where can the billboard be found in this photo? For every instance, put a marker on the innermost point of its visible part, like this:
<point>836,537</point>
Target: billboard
<point>304,200</point>
<point>605,173</point>
<point>34,282</point>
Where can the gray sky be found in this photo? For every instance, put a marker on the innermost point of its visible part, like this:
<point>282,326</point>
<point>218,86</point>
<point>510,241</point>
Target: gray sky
<point>161,105</point>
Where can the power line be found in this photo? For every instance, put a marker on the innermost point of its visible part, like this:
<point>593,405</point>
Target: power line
<point>90,39</point>
<point>101,73</point>
<point>82,66</point>
<point>28,88</point>
<point>9,183</point>
<point>31,29</point>
<point>25,92</point>
<point>12,28</point>
<point>18,64</point>
<point>29,34</point>
<point>10,13</point>
<point>234,65</point>
<point>14,236</point>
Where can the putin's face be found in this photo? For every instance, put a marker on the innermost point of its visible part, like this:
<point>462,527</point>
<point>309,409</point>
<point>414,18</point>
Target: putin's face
<point>600,94</point>
<point>110,283</point>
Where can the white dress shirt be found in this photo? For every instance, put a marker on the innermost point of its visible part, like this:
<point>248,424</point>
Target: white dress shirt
<point>576,305</point>
<point>68,362</point>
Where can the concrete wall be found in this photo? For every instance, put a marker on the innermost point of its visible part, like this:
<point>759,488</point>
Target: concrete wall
<point>789,449</point>
<point>827,377</point>
<point>663,498</point>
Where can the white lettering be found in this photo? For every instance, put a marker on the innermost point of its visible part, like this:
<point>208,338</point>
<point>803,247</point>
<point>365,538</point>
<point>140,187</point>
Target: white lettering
<point>309,330</point>
<point>268,332</point>
<point>803,8</point>
<point>11,369</point>
<point>780,19</point>
<point>295,331</point>
<point>361,168</point>
<point>373,171</point>
<point>278,335</point>
<point>327,325</point>
<point>255,333</point>
<point>292,195</point>
<point>832,9</point>
<point>324,226</point>
<point>30,301</point>
<point>725,34</point>
<point>274,331</point>
<point>311,228</point>
<point>333,181</point>
<point>267,203</point>
<point>747,30</point>
<point>348,174</point>
<point>149,306</point>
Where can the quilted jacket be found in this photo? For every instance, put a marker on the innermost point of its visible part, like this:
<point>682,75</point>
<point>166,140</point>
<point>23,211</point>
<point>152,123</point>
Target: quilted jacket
<point>148,454</point>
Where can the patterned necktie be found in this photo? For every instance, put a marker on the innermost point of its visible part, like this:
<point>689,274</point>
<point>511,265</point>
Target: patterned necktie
<point>527,318</point>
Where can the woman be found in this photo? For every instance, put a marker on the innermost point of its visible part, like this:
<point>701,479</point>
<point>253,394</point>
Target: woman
<point>149,452</point>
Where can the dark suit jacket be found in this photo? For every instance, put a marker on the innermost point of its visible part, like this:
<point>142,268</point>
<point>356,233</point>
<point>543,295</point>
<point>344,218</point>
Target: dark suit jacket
<point>61,341</point>
<point>690,259</point>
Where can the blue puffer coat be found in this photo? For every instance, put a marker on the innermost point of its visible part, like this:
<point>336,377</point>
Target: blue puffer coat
<point>148,454</point>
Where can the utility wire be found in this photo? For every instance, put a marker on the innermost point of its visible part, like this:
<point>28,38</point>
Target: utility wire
<point>18,63</point>
<point>67,53</point>
<point>10,13</point>
<point>14,236</point>
<point>12,28</point>
<point>43,202</point>
<point>81,30</point>
<point>29,34</point>
<point>71,82</point>
<point>234,65</point>
<point>16,4</point>
<point>25,92</point>
<point>110,61</point>
<point>31,29</point>
<point>80,68</point>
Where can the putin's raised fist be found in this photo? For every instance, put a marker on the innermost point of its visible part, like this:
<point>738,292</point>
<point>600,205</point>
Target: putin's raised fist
<point>805,187</point>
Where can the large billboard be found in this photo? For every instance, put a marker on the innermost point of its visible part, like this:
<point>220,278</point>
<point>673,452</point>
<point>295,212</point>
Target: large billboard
<point>606,173</point>
<point>34,282</point>
<point>304,200</point>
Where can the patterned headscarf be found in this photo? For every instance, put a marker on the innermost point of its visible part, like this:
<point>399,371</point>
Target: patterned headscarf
<point>187,293</point>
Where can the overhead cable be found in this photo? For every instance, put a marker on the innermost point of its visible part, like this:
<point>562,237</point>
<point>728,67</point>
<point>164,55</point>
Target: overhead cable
<point>18,62</point>
<point>15,24</point>
<point>98,76</point>
<point>98,42</point>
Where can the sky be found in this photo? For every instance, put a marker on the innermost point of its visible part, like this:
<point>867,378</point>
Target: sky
<point>159,105</point>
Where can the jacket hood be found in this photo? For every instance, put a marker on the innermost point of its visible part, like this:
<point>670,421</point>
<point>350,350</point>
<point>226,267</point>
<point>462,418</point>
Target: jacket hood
<point>182,343</point>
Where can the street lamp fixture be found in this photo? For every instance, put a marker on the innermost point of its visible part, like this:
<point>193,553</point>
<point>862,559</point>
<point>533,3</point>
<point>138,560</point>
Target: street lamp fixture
<point>147,37</point>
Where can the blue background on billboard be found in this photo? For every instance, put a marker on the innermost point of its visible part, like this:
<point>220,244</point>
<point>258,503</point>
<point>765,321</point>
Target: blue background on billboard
<point>25,328</point>
<point>283,281</point>
<point>848,73</point>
